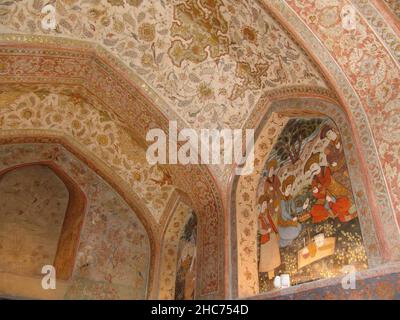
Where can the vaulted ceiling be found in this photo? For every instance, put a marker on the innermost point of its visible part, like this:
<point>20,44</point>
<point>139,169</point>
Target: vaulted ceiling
<point>209,60</point>
<point>112,69</point>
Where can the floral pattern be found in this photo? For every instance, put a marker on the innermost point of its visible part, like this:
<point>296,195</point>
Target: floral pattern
<point>176,45</point>
<point>192,88</point>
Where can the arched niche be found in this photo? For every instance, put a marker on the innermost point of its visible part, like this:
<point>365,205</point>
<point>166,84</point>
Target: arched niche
<point>196,180</point>
<point>244,219</point>
<point>371,114</point>
<point>113,255</point>
<point>178,264</point>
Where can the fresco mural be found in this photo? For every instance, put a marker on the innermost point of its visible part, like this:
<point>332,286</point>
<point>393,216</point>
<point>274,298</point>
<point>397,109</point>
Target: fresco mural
<point>308,221</point>
<point>186,266</point>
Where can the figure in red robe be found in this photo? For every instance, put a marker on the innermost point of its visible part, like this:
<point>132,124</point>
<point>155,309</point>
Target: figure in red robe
<point>332,198</point>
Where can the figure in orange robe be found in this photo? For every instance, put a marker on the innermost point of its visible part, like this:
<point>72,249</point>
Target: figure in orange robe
<point>332,197</point>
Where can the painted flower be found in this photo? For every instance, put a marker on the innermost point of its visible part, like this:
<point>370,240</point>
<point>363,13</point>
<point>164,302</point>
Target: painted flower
<point>329,17</point>
<point>76,124</point>
<point>346,41</point>
<point>368,66</point>
<point>383,92</point>
<point>105,21</point>
<point>116,2</point>
<point>57,118</point>
<point>102,139</point>
<point>27,114</point>
<point>135,3</point>
<point>147,32</point>
<point>249,34</point>
<point>361,84</point>
<point>205,92</point>
<point>176,52</point>
<point>94,14</point>
<point>147,60</point>
<point>118,26</point>
<point>312,18</point>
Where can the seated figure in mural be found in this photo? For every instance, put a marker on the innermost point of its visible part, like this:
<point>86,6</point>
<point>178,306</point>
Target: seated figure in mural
<point>332,198</point>
<point>288,225</point>
<point>270,258</point>
<point>335,155</point>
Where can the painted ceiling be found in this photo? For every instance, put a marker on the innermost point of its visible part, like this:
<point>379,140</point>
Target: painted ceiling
<point>210,60</point>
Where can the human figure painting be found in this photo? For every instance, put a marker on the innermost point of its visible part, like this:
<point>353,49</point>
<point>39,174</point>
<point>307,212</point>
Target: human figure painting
<point>308,224</point>
<point>186,263</point>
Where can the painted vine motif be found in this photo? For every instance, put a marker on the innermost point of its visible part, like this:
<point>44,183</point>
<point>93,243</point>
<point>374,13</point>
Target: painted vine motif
<point>210,59</point>
<point>186,263</point>
<point>308,223</point>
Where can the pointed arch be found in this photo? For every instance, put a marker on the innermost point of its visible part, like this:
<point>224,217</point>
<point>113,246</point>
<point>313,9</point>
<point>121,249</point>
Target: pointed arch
<point>243,200</point>
<point>48,136</point>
